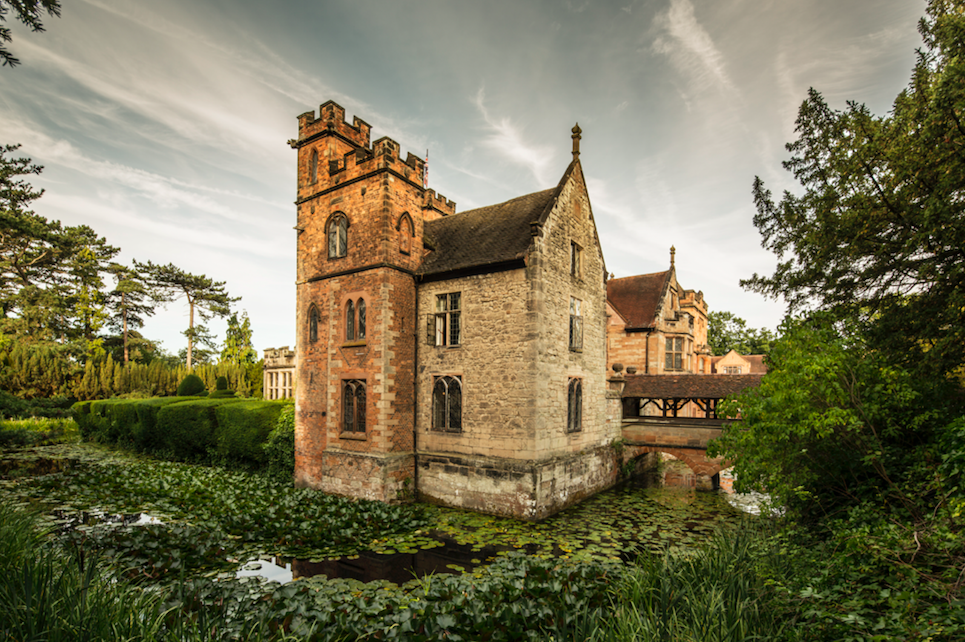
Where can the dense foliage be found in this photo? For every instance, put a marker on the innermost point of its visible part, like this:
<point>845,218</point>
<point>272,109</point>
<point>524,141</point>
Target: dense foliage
<point>726,332</point>
<point>64,331</point>
<point>878,234</point>
<point>858,429</point>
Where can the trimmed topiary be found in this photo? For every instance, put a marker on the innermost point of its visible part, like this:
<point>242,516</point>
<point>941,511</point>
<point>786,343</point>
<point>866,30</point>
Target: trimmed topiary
<point>221,383</point>
<point>191,386</point>
<point>188,428</point>
<point>242,429</point>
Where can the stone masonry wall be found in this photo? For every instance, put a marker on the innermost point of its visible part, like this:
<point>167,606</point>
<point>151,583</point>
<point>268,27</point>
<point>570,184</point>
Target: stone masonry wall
<point>552,288</point>
<point>495,361</point>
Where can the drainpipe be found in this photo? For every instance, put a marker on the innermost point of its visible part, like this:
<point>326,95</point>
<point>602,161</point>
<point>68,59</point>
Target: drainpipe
<point>646,365</point>
<point>415,388</point>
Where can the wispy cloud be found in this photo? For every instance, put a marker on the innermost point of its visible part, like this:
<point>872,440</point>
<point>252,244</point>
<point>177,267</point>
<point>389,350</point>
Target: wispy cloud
<point>507,140</point>
<point>690,48</point>
<point>165,192</point>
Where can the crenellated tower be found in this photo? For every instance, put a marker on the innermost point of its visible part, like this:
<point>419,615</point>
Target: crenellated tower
<point>361,210</point>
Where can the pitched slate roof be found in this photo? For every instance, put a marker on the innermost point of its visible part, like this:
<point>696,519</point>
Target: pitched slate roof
<point>688,386</point>
<point>636,297</point>
<point>485,236</point>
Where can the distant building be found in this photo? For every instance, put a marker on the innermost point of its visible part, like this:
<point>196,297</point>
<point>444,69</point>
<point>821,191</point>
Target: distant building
<point>279,377</point>
<point>738,364</point>
<point>655,326</point>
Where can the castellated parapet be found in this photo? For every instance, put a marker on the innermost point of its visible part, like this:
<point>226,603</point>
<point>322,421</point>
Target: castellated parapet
<point>347,155</point>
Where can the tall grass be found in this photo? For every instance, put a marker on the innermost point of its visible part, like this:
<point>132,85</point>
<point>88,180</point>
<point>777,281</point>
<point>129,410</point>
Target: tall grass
<point>48,594</point>
<point>36,431</point>
<point>717,594</point>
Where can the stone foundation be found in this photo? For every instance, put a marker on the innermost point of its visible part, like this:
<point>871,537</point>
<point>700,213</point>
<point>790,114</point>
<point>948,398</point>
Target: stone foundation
<point>382,477</point>
<point>529,490</point>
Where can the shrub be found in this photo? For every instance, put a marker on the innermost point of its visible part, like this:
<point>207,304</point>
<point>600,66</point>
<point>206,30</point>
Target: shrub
<point>221,383</point>
<point>280,447</point>
<point>188,428</point>
<point>113,420</point>
<point>81,413</point>
<point>146,434</point>
<point>191,386</point>
<point>243,429</point>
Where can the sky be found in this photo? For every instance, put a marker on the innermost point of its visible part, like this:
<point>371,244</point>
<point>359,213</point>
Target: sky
<point>163,125</point>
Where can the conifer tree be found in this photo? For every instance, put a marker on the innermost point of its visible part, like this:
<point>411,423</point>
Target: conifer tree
<point>205,296</point>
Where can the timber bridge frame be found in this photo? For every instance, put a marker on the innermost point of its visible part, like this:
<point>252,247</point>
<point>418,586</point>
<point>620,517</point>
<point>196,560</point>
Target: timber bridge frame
<point>652,421</point>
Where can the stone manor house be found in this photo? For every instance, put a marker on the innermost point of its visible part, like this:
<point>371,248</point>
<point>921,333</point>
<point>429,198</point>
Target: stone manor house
<point>463,357</point>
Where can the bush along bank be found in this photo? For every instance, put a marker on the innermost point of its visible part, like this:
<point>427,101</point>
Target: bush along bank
<point>222,429</point>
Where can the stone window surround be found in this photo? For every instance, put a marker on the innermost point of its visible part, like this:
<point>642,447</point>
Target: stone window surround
<point>675,350</point>
<point>313,319</point>
<point>350,381</point>
<point>574,405</point>
<point>440,323</point>
<point>447,381</point>
<point>576,260</point>
<point>334,227</point>
<point>354,296</point>
<point>576,324</point>
<point>406,231</point>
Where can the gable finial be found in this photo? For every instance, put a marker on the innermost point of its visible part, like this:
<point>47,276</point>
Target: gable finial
<point>673,251</point>
<point>576,140</point>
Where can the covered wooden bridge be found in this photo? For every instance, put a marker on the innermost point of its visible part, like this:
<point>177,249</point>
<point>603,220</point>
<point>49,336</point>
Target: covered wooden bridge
<point>677,414</point>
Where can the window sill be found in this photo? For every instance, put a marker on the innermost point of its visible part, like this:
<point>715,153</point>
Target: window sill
<point>354,344</point>
<point>357,436</point>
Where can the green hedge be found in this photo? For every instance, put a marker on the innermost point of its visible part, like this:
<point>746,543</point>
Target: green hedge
<point>188,428</point>
<point>81,413</point>
<point>227,428</point>
<point>147,435</point>
<point>243,429</point>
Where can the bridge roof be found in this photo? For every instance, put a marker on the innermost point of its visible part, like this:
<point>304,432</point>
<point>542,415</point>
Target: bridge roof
<point>688,386</point>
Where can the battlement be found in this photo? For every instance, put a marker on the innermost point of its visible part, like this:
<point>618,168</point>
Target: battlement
<point>282,357</point>
<point>365,157</point>
<point>331,117</point>
<point>438,203</point>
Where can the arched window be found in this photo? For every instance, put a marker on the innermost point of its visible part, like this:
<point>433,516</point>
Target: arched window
<point>350,321</point>
<point>353,405</point>
<point>338,237</point>
<point>313,324</point>
<point>355,320</point>
<point>406,232</point>
<point>360,311</point>
<point>574,406</point>
<point>313,167</point>
<point>447,404</point>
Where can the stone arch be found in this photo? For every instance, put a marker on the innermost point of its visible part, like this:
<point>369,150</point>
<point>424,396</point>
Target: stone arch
<point>406,231</point>
<point>336,234</point>
<point>705,469</point>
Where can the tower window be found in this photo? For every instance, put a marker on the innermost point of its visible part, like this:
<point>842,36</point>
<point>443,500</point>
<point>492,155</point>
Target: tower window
<point>444,326</point>
<point>576,324</point>
<point>353,405</point>
<point>447,404</point>
<point>313,324</point>
<point>338,237</point>
<point>574,406</point>
<point>355,320</point>
<point>406,232</point>
<point>313,168</point>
